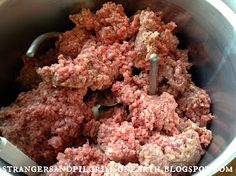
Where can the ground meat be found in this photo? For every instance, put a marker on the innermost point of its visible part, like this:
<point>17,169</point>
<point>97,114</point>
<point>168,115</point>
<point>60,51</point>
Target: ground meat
<point>149,112</point>
<point>154,37</point>
<point>141,80</point>
<point>116,114</point>
<point>195,104</point>
<point>90,129</point>
<point>44,121</point>
<point>183,149</point>
<point>142,134</point>
<point>176,75</point>
<point>205,135</point>
<point>108,51</point>
<point>82,156</point>
<point>152,154</point>
<point>110,23</point>
<point>118,141</point>
<point>71,42</point>
<point>28,77</point>
<point>133,169</point>
<point>95,67</point>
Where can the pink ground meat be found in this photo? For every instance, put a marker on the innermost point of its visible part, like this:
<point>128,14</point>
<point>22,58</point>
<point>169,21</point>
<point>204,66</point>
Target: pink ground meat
<point>102,53</point>
<point>183,149</point>
<point>118,141</point>
<point>85,155</point>
<point>155,36</point>
<point>195,104</point>
<point>110,23</point>
<point>71,42</point>
<point>44,121</point>
<point>116,114</point>
<point>150,112</point>
<point>28,77</point>
<point>205,135</point>
<point>96,67</point>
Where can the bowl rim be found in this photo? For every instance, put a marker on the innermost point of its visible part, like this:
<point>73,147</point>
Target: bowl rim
<point>229,153</point>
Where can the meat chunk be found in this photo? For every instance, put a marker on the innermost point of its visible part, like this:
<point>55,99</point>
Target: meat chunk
<point>28,78</point>
<point>173,76</point>
<point>149,112</point>
<point>84,156</point>
<point>156,37</point>
<point>141,80</point>
<point>44,121</point>
<point>142,134</point>
<point>133,169</point>
<point>205,135</point>
<point>116,114</point>
<point>195,104</point>
<point>152,154</point>
<point>110,23</point>
<point>178,150</point>
<point>95,67</point>
<point>71,42</point>
<point>153,37</point>
<point>118,141</point>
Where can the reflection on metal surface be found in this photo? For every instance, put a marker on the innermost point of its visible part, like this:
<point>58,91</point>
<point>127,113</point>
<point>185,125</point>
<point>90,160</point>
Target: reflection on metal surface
<point>2,2</point>
<point>177,14</point>
<point>31,52</point>
<point>225,10</point>
<point>153,74</point>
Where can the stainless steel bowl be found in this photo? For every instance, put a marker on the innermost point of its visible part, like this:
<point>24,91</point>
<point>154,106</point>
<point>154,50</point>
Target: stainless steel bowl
<point>208,27</point>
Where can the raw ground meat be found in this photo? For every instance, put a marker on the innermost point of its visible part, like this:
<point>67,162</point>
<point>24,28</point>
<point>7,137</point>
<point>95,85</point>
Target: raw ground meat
<point>183,149</point>
<point>71,42</point>
<point>205,135</point>
<point>44,121</point>
<point>156,37</point>
<point>118,141</point>
<point>96,67</point>
<point>195,104</point>
<point>28,77</point>
<point>107,50</point>
<point>116,114</point>
<point>82,156</point>
<point>110,23</point>
<point>150,112</point>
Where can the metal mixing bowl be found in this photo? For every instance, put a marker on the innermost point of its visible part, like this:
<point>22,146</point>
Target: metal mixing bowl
<point>208,27</point>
